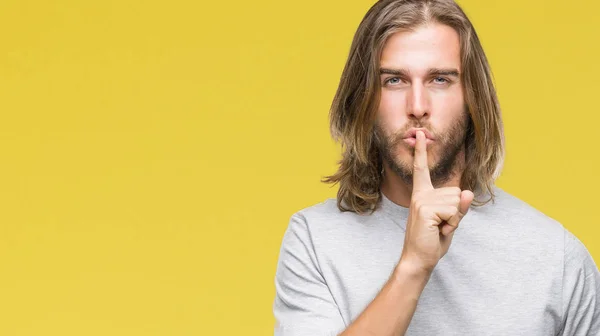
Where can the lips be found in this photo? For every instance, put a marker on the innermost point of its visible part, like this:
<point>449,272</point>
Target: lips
<point>412,133</point>
<point>412,142</point>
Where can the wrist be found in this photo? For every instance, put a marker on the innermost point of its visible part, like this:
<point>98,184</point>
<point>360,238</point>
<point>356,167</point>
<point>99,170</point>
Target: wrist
<point>410,269</point>
<point>411,279</point>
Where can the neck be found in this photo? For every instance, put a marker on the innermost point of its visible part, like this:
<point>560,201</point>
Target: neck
<point>399,192</point>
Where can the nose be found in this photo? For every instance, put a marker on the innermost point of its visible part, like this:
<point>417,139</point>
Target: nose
<point>418,102</point>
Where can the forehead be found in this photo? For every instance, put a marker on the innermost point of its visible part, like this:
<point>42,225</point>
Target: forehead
<point>430,46</point>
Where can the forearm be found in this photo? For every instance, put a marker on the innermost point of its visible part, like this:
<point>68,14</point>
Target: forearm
<point>392,309</point>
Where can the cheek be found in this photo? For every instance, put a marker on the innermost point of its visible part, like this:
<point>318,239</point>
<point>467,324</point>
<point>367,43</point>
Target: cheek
<point>392,109</point>
<point>449,106</point>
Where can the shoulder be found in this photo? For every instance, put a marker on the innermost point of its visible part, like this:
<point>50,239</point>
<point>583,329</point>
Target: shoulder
<point>325,208</point>
<point>298,239</point>
<point>326,226</point>
<point>519,228</point>
<point>305,219</point>
<point>522,217</point>
<point>577,257</point>
<point>508,203</point>
<point>517,213</point>
<point>326,215</point>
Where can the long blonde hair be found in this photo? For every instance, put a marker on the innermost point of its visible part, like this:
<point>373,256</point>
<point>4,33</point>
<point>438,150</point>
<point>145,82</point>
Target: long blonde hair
<point>356,101</point>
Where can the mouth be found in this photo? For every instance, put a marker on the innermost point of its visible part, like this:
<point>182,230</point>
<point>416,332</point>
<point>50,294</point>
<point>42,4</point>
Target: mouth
<point>410,137</point>
<point>412,142</point>
<point>412,133</point>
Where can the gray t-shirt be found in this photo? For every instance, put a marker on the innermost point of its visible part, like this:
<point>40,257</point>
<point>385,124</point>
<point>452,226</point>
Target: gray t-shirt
<point>510,270</point>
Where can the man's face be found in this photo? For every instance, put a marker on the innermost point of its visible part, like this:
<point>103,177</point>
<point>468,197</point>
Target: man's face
<point>421,88</point>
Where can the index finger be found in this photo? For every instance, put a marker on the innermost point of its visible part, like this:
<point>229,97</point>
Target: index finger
<point>421,175</point>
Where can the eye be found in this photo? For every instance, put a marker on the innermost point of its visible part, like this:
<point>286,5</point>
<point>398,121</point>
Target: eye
<point>441,80</point>
<point>392,81</point>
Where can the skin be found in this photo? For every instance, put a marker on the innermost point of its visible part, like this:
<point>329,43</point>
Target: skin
<point>425,178</point>
<point>418,98</point>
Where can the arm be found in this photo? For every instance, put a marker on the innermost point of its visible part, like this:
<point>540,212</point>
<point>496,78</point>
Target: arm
<point>392,309</point>
<point>304,305</point>
<point>581,290</point>
<point>434,215</point>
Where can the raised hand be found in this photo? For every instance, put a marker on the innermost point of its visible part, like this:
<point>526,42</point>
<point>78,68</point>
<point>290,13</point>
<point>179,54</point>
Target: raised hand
<point>434,214</point>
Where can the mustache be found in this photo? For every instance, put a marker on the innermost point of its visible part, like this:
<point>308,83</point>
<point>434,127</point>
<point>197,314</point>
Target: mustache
<point>398,136</point>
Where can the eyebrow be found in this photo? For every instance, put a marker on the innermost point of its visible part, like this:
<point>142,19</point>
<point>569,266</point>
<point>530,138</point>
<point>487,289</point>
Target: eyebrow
<point>430,72</point>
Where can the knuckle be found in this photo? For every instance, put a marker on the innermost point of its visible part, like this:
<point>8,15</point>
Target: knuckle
<point>417,199</point>
<point>454,211</point>
<point>455,190</point>
<point>422,209</point>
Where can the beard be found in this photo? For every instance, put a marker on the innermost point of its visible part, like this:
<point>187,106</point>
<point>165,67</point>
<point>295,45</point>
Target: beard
<point>447,146</point>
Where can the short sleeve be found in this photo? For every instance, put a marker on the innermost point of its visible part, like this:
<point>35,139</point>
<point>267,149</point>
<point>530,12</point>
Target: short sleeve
<point>303,303</point>
<point>581,290</point>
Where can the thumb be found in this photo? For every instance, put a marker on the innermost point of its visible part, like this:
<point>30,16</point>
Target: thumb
<point>466,198</point>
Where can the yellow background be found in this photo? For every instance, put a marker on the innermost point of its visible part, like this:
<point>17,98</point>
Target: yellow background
<point>152,152</point>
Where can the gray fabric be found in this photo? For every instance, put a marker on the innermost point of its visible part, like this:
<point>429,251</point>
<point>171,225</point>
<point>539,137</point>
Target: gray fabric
<point>511,270</point>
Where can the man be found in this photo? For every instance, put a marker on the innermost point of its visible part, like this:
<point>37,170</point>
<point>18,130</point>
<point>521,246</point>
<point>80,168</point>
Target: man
<point>419,121</point>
